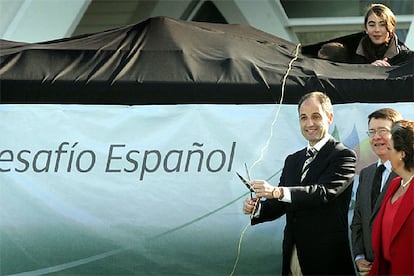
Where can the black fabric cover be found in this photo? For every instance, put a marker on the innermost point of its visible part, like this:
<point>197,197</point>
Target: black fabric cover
<point>167,61</point>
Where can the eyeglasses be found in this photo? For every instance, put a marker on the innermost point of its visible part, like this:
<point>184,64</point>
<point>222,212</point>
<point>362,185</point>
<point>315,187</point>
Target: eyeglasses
<point>381,132</point>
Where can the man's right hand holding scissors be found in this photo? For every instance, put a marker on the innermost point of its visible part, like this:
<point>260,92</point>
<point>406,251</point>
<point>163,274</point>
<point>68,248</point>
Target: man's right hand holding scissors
<point>263,189</point>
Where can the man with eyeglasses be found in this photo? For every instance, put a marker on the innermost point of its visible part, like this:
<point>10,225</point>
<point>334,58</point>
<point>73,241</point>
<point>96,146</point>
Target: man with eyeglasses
<point>373,182</point>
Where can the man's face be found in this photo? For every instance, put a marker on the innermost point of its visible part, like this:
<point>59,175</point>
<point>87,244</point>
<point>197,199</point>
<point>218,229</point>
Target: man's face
<point>380,136</point>
<point>314,122</point>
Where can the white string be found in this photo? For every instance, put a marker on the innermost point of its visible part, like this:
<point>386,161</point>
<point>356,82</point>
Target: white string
<point>263,150</point>
<point>239,249</point>
<point>278,109</point>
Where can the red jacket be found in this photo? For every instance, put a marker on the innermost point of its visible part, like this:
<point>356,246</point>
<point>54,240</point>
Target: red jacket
<point>402,235</point>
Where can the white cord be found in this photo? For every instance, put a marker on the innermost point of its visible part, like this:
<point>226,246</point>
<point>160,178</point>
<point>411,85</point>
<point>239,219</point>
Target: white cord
<point>278,110</point>
<point>265,148</point>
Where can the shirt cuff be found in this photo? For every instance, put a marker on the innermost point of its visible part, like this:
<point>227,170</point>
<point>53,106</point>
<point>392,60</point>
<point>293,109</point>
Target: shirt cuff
<point>287,197</point>
<point>359,257</point>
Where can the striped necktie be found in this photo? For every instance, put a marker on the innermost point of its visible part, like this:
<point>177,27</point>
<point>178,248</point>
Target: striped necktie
<point>310,155</point>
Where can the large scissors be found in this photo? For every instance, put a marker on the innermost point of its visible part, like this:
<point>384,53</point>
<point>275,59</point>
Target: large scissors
<point>247,182</point>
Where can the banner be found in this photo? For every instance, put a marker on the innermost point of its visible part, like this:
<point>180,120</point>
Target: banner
<point>89,189</point>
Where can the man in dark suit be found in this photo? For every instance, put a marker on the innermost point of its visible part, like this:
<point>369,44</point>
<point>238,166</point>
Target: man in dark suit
<point>314,192</point>
<point>380,123</point>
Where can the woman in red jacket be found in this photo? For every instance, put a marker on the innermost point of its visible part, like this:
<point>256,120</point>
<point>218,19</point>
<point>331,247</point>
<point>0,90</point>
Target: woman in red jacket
<point>393,227</point>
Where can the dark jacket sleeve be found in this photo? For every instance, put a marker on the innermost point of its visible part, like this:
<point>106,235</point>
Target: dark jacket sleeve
<point>330,174</point>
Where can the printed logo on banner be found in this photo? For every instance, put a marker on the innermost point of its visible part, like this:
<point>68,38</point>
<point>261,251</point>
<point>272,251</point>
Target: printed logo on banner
<point>66,157</point>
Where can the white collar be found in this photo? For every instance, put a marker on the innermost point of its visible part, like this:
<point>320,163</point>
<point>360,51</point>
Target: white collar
<point>387,164</point>
<point>321,143</point>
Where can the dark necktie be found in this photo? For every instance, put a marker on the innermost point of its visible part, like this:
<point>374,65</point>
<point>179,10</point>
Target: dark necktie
<point>376,185</point>
<point>310,155</point>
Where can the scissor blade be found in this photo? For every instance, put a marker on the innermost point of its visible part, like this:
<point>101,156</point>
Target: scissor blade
<point>247,172</point>
<point>245,182</point>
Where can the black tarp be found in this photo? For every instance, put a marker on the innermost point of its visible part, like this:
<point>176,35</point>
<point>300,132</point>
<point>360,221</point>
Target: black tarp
<point>167,61</point>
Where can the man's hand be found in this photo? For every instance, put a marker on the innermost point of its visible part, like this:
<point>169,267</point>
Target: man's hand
<point>249,205</point>
<point>363,266</point>
<point>263,189</point>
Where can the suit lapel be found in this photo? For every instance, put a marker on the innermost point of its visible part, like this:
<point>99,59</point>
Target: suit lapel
<point>371,174</point>
<point>314,166</point>
<point>404,210</point>
<point>382,194</point>
<point>303,158</point>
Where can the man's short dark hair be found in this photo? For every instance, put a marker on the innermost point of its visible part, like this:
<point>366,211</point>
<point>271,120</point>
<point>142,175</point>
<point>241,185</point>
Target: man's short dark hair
<point>385,113</point>
<point>333,51</point>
